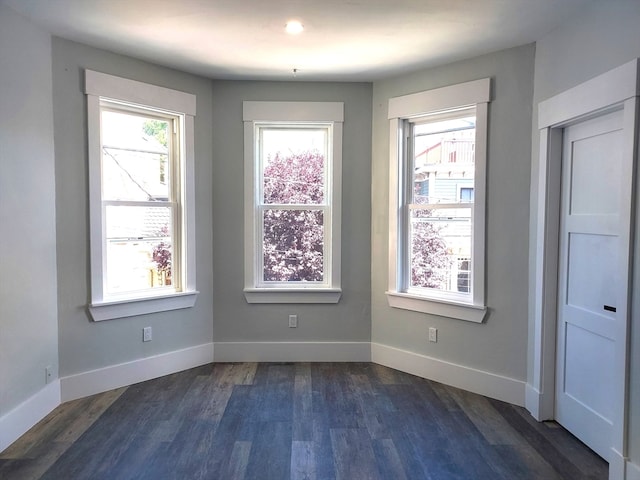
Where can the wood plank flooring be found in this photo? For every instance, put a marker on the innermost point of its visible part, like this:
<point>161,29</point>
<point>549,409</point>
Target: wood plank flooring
<point>267,421</point>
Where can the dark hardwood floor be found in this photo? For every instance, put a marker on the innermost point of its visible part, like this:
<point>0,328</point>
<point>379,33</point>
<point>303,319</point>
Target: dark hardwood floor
<point>295,421</point>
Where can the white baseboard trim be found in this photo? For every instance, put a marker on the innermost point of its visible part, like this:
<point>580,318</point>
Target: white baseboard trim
<point>540,406</point>
<point>292,352</point>
<point>532,402</point>
<point>18,421</point>
<point>621,468</point>
<point>633,471</point>
<point>484,383</point>
<point>617,465</point>
<point>124,374</point>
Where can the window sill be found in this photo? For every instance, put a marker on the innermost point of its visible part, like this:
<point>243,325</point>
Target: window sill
<point>292,295</point>
<point>460,311</point>
<point>141,306</point>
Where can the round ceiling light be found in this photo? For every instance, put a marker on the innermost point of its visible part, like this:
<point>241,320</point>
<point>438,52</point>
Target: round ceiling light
<point>294,27</point>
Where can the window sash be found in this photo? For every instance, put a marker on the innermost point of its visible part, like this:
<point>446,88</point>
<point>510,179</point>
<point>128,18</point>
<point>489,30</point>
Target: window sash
<point>326,250</point>
<point>173,154</point>
<point>466,221</point>
<point>407,197</point>
<point>262,127</point>
<point>261,206</point>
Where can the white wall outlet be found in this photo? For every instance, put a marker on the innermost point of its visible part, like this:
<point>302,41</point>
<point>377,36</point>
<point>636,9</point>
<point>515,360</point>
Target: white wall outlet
<point>48,374</point>
<point>433,334</point>
<point>146,334</point>
<point>293,321</point>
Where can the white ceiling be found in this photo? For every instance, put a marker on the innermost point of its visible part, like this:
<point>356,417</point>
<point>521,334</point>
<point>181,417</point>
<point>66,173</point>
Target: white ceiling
<point>354,40</point>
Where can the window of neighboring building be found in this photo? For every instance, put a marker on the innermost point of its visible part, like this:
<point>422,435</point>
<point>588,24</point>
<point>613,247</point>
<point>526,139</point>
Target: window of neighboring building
<point>465,194</point>
<point>439,136</point>
<point>141,197</point>
<point>292,211</point>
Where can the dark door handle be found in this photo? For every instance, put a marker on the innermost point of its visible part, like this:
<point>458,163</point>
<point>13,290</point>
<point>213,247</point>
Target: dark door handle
<point>609,308</point>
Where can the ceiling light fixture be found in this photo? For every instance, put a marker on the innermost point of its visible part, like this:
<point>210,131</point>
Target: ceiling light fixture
<point>294,27</point>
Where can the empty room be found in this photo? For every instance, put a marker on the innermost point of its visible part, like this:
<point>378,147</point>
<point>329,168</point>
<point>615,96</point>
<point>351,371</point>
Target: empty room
<point>293,239</point>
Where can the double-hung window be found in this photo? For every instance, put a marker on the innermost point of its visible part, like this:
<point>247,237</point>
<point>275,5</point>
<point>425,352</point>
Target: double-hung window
<point>437,200</point>
<point>141,197</point>
<point>293,156</point>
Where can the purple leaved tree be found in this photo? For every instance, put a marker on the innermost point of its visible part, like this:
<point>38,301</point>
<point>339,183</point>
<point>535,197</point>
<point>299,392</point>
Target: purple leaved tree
<point>429,255</point>
<point>162,256</point>
<point>293,238</point>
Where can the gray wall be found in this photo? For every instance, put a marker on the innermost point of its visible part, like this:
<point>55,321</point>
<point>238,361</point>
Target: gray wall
<point>498,345</point>
<point>28,310</point>
<point>87,345</point>
<point>234,319</point>
<point>604,37</point>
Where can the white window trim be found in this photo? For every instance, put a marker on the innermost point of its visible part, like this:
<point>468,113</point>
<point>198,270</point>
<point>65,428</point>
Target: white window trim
<point>103,86</point>
<point>475,93</point>
<point>255,113</point>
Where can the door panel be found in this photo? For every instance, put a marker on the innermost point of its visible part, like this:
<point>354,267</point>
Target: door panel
<point>594,177</point>
<point>591,284</point>
<point>599,351</point>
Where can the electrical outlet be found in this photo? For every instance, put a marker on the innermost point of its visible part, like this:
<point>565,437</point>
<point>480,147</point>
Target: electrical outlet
<point>293,321</point>
<point>433,334</point>
<point>146,334</point>
<point>48,374</point>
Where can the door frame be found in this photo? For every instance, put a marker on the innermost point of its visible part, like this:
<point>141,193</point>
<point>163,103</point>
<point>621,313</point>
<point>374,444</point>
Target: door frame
<point>617,89</point>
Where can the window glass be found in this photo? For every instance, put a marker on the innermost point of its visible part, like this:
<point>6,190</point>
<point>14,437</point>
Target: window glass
<point>293,165</point>
<point>439,239</point>
<point>440,233</point>
<point>444,151</point>
<point>293,246</point>
<point>139,248</point>
<point>137,166</point>
<point>135,153</point>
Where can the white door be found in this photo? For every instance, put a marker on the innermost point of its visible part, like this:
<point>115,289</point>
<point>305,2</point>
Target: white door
<point>593,277</point>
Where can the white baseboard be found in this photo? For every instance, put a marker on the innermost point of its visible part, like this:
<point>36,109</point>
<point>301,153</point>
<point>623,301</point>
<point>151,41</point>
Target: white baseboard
<point>532,402</point>
<point>18,421</point>
<point>633,471</point>
<point>292,352</point>
<point>116,376</point>
<point>484,383</point>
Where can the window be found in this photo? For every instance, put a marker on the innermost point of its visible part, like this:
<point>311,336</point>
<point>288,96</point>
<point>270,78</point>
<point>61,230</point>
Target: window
<point>141,197</point>
<point>465,194</point>
<point>438,139</point>
<point>293,154</point>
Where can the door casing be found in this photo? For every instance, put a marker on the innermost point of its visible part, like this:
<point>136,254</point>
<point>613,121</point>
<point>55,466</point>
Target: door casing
<point>616,89</point>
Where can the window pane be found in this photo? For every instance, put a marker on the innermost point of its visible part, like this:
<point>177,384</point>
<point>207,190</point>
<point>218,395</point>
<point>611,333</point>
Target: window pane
<point>440,244</point>
<point>134,157</point>
<point>139,248</point>
<point>293,245</point>
<point>444,159</point>
<point>293,165</point>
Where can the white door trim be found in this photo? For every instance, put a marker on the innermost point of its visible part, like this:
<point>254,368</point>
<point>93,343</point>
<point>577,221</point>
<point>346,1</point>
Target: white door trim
<point>618,88</point>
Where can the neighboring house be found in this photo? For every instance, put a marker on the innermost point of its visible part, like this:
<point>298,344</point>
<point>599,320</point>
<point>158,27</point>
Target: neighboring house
<point>444,173</point>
